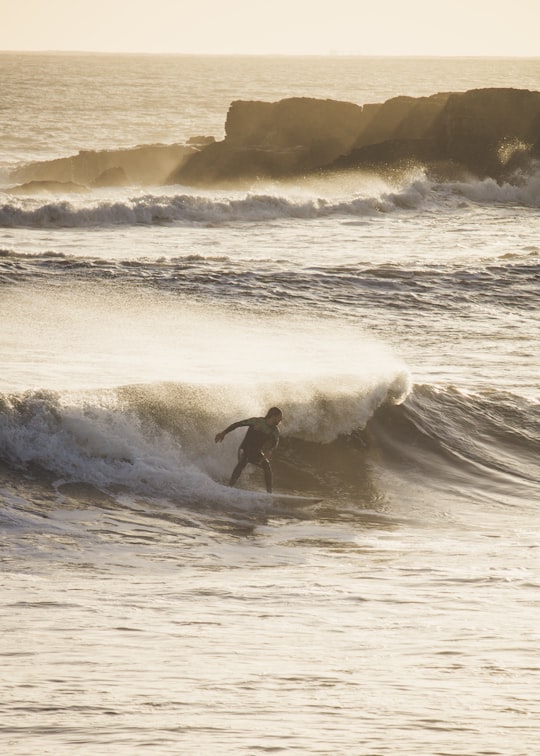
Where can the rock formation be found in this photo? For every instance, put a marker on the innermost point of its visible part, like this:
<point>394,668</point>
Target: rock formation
<point>275,139</point>
<point>486,132</point>
<point>476,126</point>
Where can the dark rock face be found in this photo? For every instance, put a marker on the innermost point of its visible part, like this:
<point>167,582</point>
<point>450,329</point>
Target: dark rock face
<point>390,152</point>
<point>275,139</point>
<point>297,121</point>
<point>487,132</point>
<point>475,126</point>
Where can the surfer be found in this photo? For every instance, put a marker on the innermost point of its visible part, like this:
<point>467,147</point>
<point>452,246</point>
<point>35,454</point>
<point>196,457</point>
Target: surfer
<point>261,439</point>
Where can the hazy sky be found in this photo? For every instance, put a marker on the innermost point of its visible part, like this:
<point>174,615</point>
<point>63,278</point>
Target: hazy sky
<point>377,27</point>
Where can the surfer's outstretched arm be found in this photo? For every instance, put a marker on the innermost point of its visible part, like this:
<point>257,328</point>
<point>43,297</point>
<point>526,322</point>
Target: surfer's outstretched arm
<point>220,436</point>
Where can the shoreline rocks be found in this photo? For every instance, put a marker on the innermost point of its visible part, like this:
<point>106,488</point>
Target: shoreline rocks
<point>481,132</point>
<point>484,132</point>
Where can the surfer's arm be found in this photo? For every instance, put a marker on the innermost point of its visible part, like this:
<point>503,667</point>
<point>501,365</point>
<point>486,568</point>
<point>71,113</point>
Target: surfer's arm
<point>240,424</point>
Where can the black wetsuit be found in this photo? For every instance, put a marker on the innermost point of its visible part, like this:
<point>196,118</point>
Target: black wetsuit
<point>259,436</point>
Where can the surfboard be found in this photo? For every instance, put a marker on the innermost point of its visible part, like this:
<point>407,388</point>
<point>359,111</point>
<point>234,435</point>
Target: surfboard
<point>294,499</point>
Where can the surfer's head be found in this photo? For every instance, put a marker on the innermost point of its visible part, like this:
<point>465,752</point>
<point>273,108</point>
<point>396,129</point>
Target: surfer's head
<point>274,416</point>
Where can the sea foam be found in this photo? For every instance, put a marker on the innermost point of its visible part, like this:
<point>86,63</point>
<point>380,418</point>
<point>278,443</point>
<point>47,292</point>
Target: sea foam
<point>252,207</point>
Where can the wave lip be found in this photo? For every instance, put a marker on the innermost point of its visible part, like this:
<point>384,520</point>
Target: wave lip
<point>488,440</point>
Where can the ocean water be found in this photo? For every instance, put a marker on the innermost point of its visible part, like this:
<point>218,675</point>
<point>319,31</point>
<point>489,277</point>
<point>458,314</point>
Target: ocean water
<point>148,607</point>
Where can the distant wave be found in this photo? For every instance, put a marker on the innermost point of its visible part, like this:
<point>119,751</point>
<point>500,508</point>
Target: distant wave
<point>511,280</point>
<point>189,209</point>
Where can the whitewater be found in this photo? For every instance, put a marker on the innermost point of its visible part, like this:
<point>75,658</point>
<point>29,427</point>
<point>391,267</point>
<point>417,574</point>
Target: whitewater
<point>394,318</point>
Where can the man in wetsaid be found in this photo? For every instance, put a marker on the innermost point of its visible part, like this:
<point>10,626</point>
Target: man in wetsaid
<point>261,439</point>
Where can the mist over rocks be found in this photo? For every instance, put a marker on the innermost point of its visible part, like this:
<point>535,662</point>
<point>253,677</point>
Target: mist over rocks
<point>400,118</point>
<point>52,187</point>
<point>145,165</point>
<point>484,132</point>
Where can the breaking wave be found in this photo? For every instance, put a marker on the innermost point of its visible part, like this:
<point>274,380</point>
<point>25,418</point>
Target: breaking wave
<point>456,434</point>
<point>157,440</point>
<point>253,207</point>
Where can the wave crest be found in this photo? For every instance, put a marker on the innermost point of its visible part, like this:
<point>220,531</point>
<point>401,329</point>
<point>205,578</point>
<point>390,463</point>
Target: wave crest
<point>159,439</point>
<point>281,204</point>
<point>450,435</point>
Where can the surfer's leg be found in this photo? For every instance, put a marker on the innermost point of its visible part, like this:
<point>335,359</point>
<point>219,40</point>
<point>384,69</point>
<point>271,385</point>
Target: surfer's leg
<point>267,474</point>
<point>242,462</point>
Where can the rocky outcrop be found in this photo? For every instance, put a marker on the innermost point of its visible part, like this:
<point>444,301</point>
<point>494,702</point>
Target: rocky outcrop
<point>482,127</point>
<point>487,132</point>
<point>294,122</point>
<point>199,141</point>
<point>147,165</point>
<point>401,118</point>
<point>278,139</point>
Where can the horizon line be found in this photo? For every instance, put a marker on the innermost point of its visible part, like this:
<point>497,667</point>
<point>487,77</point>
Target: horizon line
<point>329,54</point>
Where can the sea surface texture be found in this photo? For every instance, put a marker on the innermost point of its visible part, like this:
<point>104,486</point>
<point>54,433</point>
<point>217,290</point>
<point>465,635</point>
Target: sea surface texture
<point>392,312</point>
